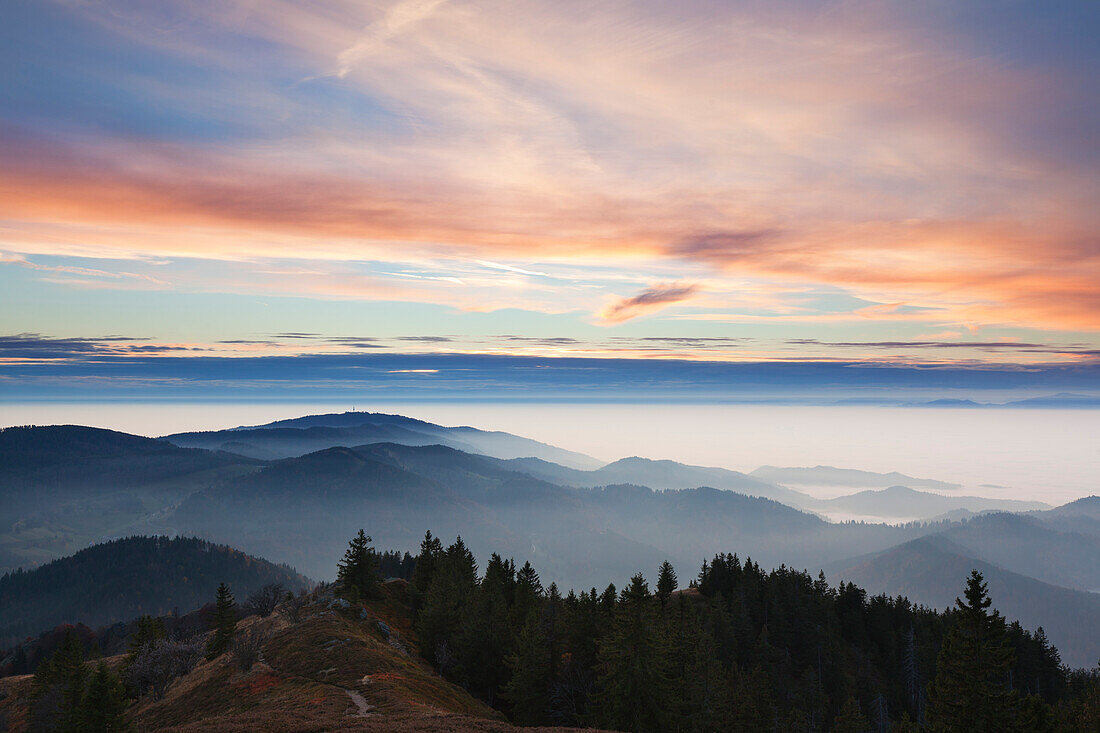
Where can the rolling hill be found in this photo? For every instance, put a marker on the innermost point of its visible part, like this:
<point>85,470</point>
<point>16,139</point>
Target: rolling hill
<point>658,474</point>
<point>119,580</point>
<point>63,487</point>
<point>845,477</point>
<point>918,570</point>
<point>906,504</point>
<point>298,436</point>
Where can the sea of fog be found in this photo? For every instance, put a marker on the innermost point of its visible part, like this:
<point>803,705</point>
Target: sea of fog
<point>1046,455</point>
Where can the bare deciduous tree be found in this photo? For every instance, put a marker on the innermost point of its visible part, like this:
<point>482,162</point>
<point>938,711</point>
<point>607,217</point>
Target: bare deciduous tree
<point>264,601</point>
<point>159,662</point>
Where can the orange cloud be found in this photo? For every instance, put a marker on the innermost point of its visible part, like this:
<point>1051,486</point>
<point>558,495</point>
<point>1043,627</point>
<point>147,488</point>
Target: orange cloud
<point>842,149</point>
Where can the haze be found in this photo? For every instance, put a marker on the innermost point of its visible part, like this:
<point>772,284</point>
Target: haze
<point>1044,455</point>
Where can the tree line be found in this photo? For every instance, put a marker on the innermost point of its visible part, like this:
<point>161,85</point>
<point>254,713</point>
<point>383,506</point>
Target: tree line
<point>739,649</point>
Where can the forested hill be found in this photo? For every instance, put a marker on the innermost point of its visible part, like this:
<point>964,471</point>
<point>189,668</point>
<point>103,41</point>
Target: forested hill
<point>69,456</point>
<point>119,580</point>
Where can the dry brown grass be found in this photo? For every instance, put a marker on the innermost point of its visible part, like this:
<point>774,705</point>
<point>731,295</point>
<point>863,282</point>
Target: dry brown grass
<point>302,683</point>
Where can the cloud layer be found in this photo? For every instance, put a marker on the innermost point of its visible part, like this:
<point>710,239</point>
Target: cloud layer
<point>832,166</point>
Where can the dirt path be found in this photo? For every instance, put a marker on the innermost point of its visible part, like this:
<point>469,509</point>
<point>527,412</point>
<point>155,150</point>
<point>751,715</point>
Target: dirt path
<point>361,704</point>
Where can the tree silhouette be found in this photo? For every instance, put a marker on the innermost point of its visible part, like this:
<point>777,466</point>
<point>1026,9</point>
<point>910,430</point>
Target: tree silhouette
<point>225,622</point>
<point>357,574</point>
<point>970,691</point>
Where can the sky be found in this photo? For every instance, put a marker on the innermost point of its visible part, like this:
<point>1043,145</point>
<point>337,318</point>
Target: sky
<point>619,200</point>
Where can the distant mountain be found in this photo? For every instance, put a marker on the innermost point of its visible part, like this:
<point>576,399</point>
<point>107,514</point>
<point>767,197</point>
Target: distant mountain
<point>830,476</point>
<point>65,486</point>
<point>1027,545</point>
<point>302,510</point>
<point>298,436</point>
<point>119,580</point>
<point>1060,400</point>
<point>927,570</point>
<point>1081,516</point>
<point>907,503</point>
<point>659,474</point>
<point>72,457</point>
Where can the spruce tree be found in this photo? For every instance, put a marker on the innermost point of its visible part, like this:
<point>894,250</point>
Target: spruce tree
<point>535,665</point>
<point>104,702</point>
<point>485,636</point>
<point>149,629</point>
<point>440,618</point>
<point>635,688</point>
<point>57,689</point>
<point>357,574</point>
<point>224,623</point>
<point>431,552</point>
<point>666,582</point>
<point>970,691</point>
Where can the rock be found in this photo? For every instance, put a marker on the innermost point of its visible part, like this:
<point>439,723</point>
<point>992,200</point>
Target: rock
<point>384,629</point>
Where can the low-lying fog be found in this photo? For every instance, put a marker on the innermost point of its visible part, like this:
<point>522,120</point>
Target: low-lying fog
<point>1046,455</point>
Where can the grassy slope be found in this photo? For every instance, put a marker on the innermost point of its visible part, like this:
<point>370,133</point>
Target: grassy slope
<point>308,669</point>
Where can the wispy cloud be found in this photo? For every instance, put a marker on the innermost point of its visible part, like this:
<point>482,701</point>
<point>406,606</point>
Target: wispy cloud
<point>651,299</point>
<point>492,156</point>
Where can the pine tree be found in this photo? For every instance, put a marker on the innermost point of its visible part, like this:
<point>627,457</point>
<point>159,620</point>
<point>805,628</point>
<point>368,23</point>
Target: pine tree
<point>224,623</point>
<point>666,582</point>
<point>58,688</point>
<point>535,665</point>
<point>104,702</point>
<point>148,630</point>
<point>357,574</point>
<point>485,637</point>
<point>528,591</point>
<point>431,551</point>
<point>970,690</point>
<point>635,689</point>
<point>440,617</point>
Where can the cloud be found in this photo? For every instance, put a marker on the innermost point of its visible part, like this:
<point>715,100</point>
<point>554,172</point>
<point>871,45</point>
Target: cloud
<point>32,347</point>
<point>899,154</point>
<point>651,299</point>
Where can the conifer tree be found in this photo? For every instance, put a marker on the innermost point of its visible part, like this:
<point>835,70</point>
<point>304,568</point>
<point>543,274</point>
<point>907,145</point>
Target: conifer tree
<point>357,574</point>
<point>57,689</point>
<point>431,550</point>
<point>440,618</point>
<point>970,691</point>
<point>535,665</point>
<point>148,630</point>
<point>635,689</point>
<point>485,637</point>
<point>666,582</point>
<point>224,623</point>
<point>528,591</point>
<point>104,702</point>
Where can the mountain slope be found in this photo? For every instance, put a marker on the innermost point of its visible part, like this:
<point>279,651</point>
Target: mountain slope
<point>904,503</point>
<point>927,570</point>
<point>1028,546</point>
<point>659,474</point>
<point>846,477</point>
<point>1081,516</point>
<point>63,487</point>
<point>334,669</point>
<point>120,580</point>
<point>298,436</point>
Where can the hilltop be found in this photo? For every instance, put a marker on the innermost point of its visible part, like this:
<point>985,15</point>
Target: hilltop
<point>119,580</point>
<point>337,667</point>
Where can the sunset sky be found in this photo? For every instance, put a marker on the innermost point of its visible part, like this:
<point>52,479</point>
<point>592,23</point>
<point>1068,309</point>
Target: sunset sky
<point>237,191</point>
